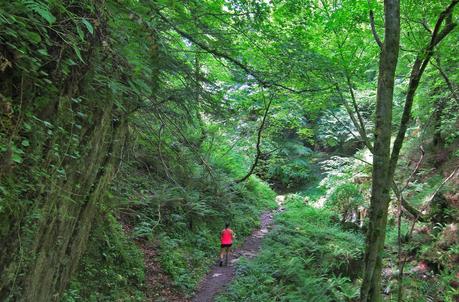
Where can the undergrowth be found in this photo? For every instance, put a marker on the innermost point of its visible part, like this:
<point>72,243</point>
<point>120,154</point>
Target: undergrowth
<point>187,253</point>
<point>306,257</point>
<point>180,212</point>
<point>112,268</point>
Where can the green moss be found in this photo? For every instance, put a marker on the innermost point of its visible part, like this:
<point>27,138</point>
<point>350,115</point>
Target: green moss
<point>112,268</point>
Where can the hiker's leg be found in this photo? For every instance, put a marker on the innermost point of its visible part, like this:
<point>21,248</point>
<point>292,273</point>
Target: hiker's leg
<point>222,252</point>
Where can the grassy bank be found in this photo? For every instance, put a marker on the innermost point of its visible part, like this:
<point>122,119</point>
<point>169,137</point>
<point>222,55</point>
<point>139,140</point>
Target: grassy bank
<point>307,257</point>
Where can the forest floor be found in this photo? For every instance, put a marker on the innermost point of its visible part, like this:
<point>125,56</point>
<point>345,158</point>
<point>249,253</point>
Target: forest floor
<point>159,285</point>
<point>219,277</point>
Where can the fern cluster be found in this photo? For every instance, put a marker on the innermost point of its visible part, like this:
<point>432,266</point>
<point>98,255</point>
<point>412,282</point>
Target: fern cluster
<point>307,257</point>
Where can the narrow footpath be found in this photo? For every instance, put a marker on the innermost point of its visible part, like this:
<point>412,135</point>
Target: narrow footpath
<point>219,277</point>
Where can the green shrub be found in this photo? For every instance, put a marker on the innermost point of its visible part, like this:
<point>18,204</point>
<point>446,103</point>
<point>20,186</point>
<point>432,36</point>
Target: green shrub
<point>344,198</point>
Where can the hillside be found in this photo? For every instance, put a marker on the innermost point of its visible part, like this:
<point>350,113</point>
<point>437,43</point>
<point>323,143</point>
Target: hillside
<point>131,132</point>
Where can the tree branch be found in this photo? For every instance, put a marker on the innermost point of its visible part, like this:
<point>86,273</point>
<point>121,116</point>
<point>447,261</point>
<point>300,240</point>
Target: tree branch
<point>426,26</point>
<point>373,30</point>
<point>345,126</point>
<point>359,116</point>
<point>354,120</point>
<point>179,131</point>
<point>264,83</point>
<point>446,78</point>
<point>258,146</point>
<point>417,70</point>
<point>166,169</point>
<point>416,168</point>
<point>399,192</point>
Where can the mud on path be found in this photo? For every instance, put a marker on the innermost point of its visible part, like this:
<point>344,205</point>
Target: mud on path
<point>219,277</point>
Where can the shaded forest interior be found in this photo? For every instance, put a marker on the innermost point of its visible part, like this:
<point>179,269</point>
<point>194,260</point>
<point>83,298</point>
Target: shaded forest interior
<point>132,131</point>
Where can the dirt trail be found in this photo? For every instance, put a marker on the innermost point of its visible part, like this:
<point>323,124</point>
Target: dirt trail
<point>219,277</point>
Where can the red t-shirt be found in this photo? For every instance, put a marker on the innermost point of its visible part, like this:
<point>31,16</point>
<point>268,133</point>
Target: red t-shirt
<point>226,236</point>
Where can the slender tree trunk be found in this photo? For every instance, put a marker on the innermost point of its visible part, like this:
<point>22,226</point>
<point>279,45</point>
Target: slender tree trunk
<point>384,162</point>
<point>371,285</point>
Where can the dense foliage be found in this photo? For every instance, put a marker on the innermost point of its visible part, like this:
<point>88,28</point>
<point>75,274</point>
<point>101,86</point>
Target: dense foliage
<point>131,131</point>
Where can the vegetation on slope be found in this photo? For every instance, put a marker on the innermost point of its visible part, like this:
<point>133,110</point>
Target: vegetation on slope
<point>134,124</point>
<point>315,250</point>
<point>180,213</point>
<point>307,257</point>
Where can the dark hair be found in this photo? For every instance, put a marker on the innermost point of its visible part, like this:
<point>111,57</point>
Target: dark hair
<point>226,225</point>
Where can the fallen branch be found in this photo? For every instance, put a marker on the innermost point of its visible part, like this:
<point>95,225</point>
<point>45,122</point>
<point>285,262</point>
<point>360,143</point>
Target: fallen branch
<point>446,79</point>
<point>416,168</point>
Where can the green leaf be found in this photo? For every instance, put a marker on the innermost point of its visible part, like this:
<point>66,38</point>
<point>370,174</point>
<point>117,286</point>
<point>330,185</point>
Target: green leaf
<point>88,25</point>
<point>33,37</point>
<point>25,143</point>
<point>80,33</point>
<point>16,157</point>
<point>48,124</point>
<point>46,14</point>
<point>43,52</point>
<point>71,62</point>
<point>42,10</point>
<point>78,53</point>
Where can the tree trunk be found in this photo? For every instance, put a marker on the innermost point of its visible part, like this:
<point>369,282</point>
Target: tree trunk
<point>371,285</point>
<point>384,162</point>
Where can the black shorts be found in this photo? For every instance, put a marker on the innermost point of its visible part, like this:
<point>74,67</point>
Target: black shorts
<point>226,245</point>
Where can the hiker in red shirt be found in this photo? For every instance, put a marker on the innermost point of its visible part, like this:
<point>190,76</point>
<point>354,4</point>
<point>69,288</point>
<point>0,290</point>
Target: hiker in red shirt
<point>226,239</point>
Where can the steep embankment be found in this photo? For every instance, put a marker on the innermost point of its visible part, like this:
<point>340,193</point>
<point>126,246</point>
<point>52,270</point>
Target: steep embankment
<point>175,226</point>
<point>62,134</point>
<point>84,86</point>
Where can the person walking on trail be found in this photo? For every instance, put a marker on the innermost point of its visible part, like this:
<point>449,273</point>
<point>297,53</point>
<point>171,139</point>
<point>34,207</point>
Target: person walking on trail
<point>226,239</point>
